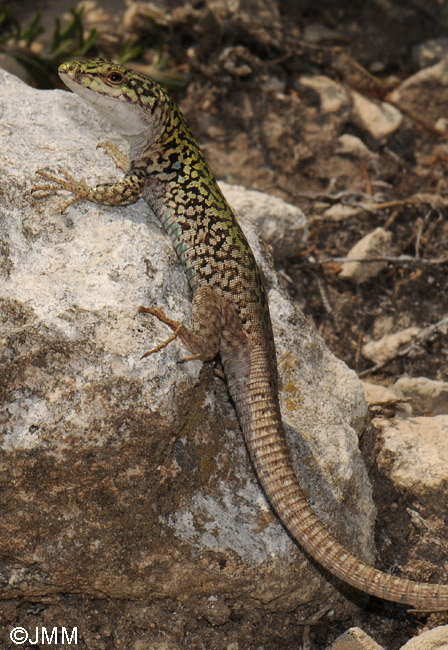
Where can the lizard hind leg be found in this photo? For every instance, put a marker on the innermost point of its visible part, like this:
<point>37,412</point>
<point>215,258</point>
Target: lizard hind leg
<point>203,339</point>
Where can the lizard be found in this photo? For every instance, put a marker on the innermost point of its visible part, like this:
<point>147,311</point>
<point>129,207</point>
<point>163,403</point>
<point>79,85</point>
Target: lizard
<point>230,313</point>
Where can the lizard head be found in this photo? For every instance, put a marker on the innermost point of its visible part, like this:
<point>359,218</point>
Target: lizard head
<point>132,102</point>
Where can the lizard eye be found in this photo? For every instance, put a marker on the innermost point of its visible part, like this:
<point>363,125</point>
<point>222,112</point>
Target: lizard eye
<point>115,77</point>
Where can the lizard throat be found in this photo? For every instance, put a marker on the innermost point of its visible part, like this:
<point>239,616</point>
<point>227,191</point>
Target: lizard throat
<point>129,119</point>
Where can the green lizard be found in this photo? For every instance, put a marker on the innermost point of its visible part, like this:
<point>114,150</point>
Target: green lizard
<point>230,314</point>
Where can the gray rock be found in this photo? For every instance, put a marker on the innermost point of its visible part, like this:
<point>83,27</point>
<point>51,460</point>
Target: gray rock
<point>414,453</point>
<point>430,52</point>
<point>377,67</point>
<point>126,478</point>
<point>283,226</point>
<point>238,61</point>
<point>354,639</point>
<point>436,639</point>
<point>387,346</point>
<point>340,212</point>
<point>379,119</point>
<point>434,75</point>
<point>357,639</point>
<point>379,395</point>
<point>349,144</point>
<point>427,395</point>
<point>332,95</point>
<point>375,244</point>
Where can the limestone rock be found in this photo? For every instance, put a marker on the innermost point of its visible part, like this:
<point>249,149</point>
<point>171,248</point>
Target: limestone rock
<point>354,639</point>
<point>428,395</point>
<point>374,244</point>
<point>238,61</point>
<point>357,639</point>
<point>414,453</point>
<point>349,144</point>
<point>436,639</point>
<point>125,478</point>
<point>377,394</point>
<point>380,119</point>
<point>283,226</point>
<point>430,52</point>
<point>333,96</point>
<point>388,345</point>
<point>434,75</point>
<point>339,212</point>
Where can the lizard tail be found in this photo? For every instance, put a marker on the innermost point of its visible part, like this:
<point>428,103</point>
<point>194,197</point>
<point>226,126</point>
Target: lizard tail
<point>259,414</point>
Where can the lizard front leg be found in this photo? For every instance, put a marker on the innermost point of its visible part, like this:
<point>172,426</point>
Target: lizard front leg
<point>120,159</point>
<point>122,192</point>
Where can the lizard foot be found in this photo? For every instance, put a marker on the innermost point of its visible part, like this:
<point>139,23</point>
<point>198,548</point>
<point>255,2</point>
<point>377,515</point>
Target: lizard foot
<point>178,330</point>
<point>79,189</point>
<point>160,314</point>
<point>203,338</point>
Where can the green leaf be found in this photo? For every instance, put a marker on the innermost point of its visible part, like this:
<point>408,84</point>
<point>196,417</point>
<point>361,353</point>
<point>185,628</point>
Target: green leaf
<point>33,30</point>
<point>88,43</point>
<point>9,20</point>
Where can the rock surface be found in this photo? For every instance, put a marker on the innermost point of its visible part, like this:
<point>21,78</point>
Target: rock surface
<point>339,212</point>
<point>376,394</point>
<point>387,346</point>
<point>375,244</point>
<point>426,395</point>
<point>436,639</point>
<point>379,119</point>
<point>332,95</point>
<point>432,75</point>
<point>414,453</point>
<point>355,639</point>
<point>430,52</point>
<point>283,227</point>
<point>124,480</point>
<point>349,144</point>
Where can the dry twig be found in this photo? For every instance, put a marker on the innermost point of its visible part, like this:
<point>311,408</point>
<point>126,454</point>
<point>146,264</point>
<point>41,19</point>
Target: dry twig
<point>399,259</point>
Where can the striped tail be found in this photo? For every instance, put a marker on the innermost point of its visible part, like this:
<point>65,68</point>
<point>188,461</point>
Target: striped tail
<point>259,414</point>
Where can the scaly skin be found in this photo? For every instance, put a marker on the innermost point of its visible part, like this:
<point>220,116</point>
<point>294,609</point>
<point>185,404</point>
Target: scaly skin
<point>230,313</point>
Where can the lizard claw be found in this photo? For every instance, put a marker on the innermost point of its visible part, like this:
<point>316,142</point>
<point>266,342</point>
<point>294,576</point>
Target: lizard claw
<point>192,357</point>
<point>160,314</point>
<point>79,189</point>
<point>160,347</point>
